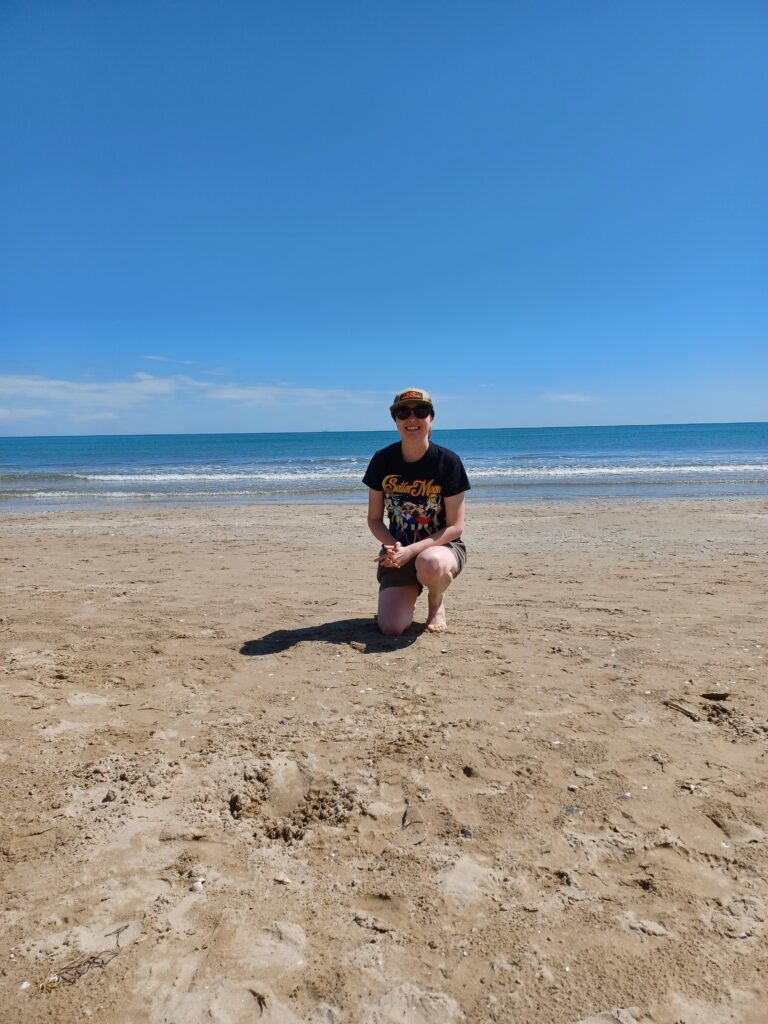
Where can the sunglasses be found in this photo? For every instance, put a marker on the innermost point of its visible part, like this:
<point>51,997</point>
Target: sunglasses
<point>421,412</point>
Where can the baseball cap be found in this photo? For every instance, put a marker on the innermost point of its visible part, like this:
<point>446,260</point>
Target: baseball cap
<point>411,395</point>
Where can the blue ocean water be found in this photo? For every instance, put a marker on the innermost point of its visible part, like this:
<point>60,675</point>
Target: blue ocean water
<point>548,463</point>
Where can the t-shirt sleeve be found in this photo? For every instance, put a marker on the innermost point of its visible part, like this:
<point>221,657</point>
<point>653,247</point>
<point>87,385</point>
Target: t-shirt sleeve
<point>456,480</point>
<point>373,476</point>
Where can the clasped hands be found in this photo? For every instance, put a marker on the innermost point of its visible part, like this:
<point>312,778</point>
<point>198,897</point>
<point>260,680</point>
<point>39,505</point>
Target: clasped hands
<point>395,556</point>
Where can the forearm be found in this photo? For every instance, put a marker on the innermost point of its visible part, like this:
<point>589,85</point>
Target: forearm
<point>444,536</point>
<point>380,532</point>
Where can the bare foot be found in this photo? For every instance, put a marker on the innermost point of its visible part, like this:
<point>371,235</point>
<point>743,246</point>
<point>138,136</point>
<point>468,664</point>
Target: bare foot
<point>436,617</point>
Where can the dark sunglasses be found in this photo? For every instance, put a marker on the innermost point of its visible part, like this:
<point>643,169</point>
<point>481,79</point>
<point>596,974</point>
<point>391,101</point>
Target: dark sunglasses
<point>421,412</point>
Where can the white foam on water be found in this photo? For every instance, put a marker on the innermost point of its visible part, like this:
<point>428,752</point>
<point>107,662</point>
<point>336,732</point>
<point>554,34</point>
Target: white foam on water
<point>542,472</point>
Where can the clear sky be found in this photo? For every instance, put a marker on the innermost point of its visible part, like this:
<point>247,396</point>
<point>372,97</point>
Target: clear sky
<point>272,214</point>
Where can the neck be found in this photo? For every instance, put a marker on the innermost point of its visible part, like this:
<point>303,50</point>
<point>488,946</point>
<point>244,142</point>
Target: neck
<point>413,448</point>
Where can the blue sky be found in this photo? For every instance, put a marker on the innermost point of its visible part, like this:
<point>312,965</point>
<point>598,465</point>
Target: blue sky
<point>272,215</point>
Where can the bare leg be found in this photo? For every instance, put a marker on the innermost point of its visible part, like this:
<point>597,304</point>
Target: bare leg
<point>396,606</point>
<point>435,568</point>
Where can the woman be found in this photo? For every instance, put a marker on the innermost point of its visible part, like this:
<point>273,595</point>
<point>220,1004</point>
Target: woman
<point>421,487</point>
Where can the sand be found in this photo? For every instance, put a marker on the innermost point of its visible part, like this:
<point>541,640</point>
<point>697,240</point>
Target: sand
<point>556,812</point>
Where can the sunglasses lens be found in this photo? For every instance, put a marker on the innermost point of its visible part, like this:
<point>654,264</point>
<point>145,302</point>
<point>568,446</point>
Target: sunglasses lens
<point>421,412</point>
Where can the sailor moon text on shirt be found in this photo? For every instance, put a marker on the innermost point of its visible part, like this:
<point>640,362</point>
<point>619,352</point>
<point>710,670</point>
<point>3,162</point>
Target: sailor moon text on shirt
<point>413,488</point>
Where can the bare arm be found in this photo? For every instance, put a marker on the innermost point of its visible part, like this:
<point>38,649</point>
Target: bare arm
<point>376,518</point>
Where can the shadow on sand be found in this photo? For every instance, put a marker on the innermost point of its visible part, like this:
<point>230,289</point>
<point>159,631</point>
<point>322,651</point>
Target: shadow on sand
<point>363,634</point>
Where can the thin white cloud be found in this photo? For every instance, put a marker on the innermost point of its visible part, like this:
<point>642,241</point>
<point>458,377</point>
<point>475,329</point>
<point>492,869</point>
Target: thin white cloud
<point>189,382</point>
<point>570,396</point>
<point>168,359</point>
<point>22,414</point>
<point>121,393</point>
<point>90,417</point>
<point>270,394</point>
<point>92,399</point>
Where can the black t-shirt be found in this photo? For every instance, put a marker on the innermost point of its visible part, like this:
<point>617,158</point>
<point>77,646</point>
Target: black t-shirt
<point>414,491</point>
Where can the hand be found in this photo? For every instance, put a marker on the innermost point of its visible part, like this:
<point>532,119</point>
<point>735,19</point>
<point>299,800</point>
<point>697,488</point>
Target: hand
<point>395,556</point>
<point>387,555</point>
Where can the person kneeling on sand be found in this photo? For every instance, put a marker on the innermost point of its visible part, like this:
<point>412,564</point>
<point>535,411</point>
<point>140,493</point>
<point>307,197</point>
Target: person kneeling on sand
<point>420,486</point>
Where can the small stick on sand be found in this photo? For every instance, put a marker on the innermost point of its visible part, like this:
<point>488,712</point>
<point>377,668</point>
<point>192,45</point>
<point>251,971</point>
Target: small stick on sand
<point>683,710</point>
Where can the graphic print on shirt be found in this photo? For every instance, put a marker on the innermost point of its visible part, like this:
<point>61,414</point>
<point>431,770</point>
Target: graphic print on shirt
<point>410,521</point>
<point>392,484</point>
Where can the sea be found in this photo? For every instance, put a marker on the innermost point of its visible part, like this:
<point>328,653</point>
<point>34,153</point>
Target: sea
<point>527,464</point>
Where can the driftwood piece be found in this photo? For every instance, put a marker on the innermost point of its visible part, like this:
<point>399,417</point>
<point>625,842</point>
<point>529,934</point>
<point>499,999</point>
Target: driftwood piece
<point>677,706</point>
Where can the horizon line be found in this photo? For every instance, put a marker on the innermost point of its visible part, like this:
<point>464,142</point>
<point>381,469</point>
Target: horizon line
<point>247,433</point>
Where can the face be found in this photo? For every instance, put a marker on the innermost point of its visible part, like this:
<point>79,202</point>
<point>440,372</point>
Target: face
<point>414,427</point>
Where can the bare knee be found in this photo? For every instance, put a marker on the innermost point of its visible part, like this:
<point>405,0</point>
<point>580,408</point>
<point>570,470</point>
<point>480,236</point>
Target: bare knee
<point>394,624</point>
<point>396,607</point>
<point>393,628</point>
<point>433,569</point>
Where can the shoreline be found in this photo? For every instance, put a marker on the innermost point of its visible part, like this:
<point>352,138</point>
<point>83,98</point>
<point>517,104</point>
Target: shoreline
<point>555,809</point>
<point>140,506</point>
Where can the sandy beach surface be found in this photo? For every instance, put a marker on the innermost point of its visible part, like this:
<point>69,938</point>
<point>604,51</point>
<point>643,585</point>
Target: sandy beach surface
<point>227,798</point>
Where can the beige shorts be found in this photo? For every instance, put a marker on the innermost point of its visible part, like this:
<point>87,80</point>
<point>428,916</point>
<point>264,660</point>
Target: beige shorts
<point>406,577</point>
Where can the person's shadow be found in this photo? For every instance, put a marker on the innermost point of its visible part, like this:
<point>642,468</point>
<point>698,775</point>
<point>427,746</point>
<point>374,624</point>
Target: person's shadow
<point>362,634</point>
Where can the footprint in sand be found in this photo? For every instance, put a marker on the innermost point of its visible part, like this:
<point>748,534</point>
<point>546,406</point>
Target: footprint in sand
<point>739,917</point>
<point>468,881</point>
<point>628,1015</point>
<point>229,1002</point>
<point>644,926</point>
<point>289,783</point>
<point>414,1005</point>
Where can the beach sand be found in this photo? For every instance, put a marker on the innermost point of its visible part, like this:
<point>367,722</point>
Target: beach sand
<point>556,812</point>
